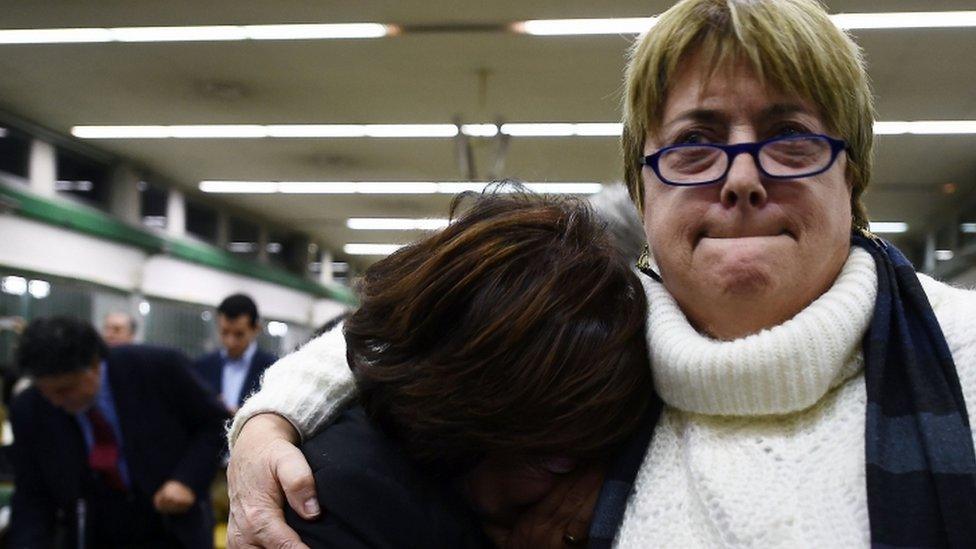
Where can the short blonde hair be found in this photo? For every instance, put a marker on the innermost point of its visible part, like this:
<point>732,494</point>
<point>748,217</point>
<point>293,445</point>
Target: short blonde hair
<point>793,47</point>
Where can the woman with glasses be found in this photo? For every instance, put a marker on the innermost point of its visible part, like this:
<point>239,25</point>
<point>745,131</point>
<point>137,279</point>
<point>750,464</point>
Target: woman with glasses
<point>818,392</point>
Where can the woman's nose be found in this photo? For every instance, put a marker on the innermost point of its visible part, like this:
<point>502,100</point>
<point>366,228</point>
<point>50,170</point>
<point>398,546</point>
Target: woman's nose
<point>743,185</point>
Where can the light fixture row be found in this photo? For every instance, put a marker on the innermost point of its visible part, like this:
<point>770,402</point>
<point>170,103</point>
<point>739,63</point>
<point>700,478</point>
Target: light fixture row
<point>406,224</point>
<point>383,187</point>
<point>434,131</point>
<point>333,31</point>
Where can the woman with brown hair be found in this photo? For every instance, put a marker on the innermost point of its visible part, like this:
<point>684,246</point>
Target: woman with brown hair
<point>493,359</point>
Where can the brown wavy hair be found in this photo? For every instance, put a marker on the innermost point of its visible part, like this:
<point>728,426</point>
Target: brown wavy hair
<point>517,329</point>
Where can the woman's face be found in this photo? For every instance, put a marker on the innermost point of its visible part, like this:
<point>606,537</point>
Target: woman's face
<point>748,252</point>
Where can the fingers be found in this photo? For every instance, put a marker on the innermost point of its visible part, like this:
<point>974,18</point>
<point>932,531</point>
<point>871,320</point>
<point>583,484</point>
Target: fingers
<point>261,528</point>
<point>295,477</point>
<point>263,463</point>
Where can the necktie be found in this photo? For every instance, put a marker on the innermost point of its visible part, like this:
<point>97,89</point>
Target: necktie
<point>104,455</point>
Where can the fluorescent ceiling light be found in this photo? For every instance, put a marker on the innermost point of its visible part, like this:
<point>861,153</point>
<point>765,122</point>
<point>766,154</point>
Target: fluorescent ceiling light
<point>238,187</point>
<point>944,255</point>
<point>925,127</point>
<point>316,31</point>
<point>888,227</point>
<point>178,34</point>
<point>39,289</point>
<point>562,27</point>
<point>13,285</point>
<point>411,130</point>
<point>480,130</point>
<point>395,224</point>
<point>277,329</point>
<point>461,187</point>
<point>522,129</point>
<point>242,247</point>
<point>54,36</point>
<point>968,228</point>
<point>253,131</point>
<point>316,187</point>
<point>565,188</point>
<point>382,187</point>
<point>371,249</point>
<point>905,20</point>
<point>637,25</point>
<point>197,33</point>
<point>316,130</point>
<point>395,187</point>
<point>562,129</point>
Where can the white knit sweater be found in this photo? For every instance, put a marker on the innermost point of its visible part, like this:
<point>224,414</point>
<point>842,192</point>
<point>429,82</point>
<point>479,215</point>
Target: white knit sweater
<point>761,443</point>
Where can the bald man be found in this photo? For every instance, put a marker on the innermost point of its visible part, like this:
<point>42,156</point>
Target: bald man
<point>118,328</point>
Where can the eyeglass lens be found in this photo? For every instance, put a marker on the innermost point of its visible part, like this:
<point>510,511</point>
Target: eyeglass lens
<point>787,157</point>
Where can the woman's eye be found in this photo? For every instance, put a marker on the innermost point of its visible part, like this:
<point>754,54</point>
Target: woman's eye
<point>692,138</point>
<point>790,130</point>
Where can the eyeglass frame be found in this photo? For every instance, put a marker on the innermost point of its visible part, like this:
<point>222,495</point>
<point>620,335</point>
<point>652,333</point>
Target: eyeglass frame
<point>752,149</point>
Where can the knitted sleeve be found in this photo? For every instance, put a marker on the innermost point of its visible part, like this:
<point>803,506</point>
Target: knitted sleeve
<point>308,387</point>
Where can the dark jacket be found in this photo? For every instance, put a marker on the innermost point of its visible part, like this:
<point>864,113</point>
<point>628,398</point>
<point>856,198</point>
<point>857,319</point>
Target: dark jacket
<point>172,429</point>
<point>211,369</point>
<point>372,496</point>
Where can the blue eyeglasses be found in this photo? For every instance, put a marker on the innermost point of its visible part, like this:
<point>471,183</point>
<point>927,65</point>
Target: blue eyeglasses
<point>790,157</point>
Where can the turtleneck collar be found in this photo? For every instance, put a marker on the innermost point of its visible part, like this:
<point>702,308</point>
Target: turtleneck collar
<point>779,370</point>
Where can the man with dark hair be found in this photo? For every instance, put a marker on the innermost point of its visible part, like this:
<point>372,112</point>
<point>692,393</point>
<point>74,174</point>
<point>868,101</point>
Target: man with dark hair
<point>118,446</point>
<point>234,371</point>
<point>119,328</point>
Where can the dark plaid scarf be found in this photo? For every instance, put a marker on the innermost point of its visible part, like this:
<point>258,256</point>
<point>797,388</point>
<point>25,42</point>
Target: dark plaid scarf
<point>921,469</point>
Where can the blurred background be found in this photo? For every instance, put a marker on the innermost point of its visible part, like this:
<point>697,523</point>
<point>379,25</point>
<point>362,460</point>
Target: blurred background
<point>155,157</point>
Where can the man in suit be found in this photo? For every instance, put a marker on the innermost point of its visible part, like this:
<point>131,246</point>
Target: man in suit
<point>234,371</point>
<point>116,447</point>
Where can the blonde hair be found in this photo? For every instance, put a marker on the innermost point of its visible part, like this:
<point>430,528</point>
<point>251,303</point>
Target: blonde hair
<point>793,47</point>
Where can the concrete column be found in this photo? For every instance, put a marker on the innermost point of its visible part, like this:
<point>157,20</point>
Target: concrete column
<point>929,262</point>
<point>223,229</point>
<point>325,274</point>
<point>176,213</point>
<point>125,200</point>
<point>42,170</point>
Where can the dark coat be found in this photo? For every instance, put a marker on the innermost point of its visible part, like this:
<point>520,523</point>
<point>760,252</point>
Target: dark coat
<point>211,369</point>
<point>372,496</point>
<point>172,429</point>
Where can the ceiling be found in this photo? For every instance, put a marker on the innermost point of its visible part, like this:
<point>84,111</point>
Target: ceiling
<point>435,77</point>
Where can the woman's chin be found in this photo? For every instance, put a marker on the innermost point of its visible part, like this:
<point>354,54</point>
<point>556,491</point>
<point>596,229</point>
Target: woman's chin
<point>745,269</point>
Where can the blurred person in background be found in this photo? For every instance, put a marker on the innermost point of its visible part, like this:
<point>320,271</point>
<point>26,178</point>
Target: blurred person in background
<point>234,371</point>
<point>119,328</point>
<point>497,361</point>
<point>818,391</point>
<point>111,447</point>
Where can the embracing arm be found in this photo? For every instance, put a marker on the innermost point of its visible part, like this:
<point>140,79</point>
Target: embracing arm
<point>299,394</point>
<point>307,387</point>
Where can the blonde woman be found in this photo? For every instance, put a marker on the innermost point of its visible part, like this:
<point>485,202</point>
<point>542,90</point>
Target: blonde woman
<point>818,392</point>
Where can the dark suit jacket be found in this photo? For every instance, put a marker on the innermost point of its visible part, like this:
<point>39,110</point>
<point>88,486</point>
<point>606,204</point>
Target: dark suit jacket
<point>372,496</point>
<point>211,369</point>
<point>172,429</point>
